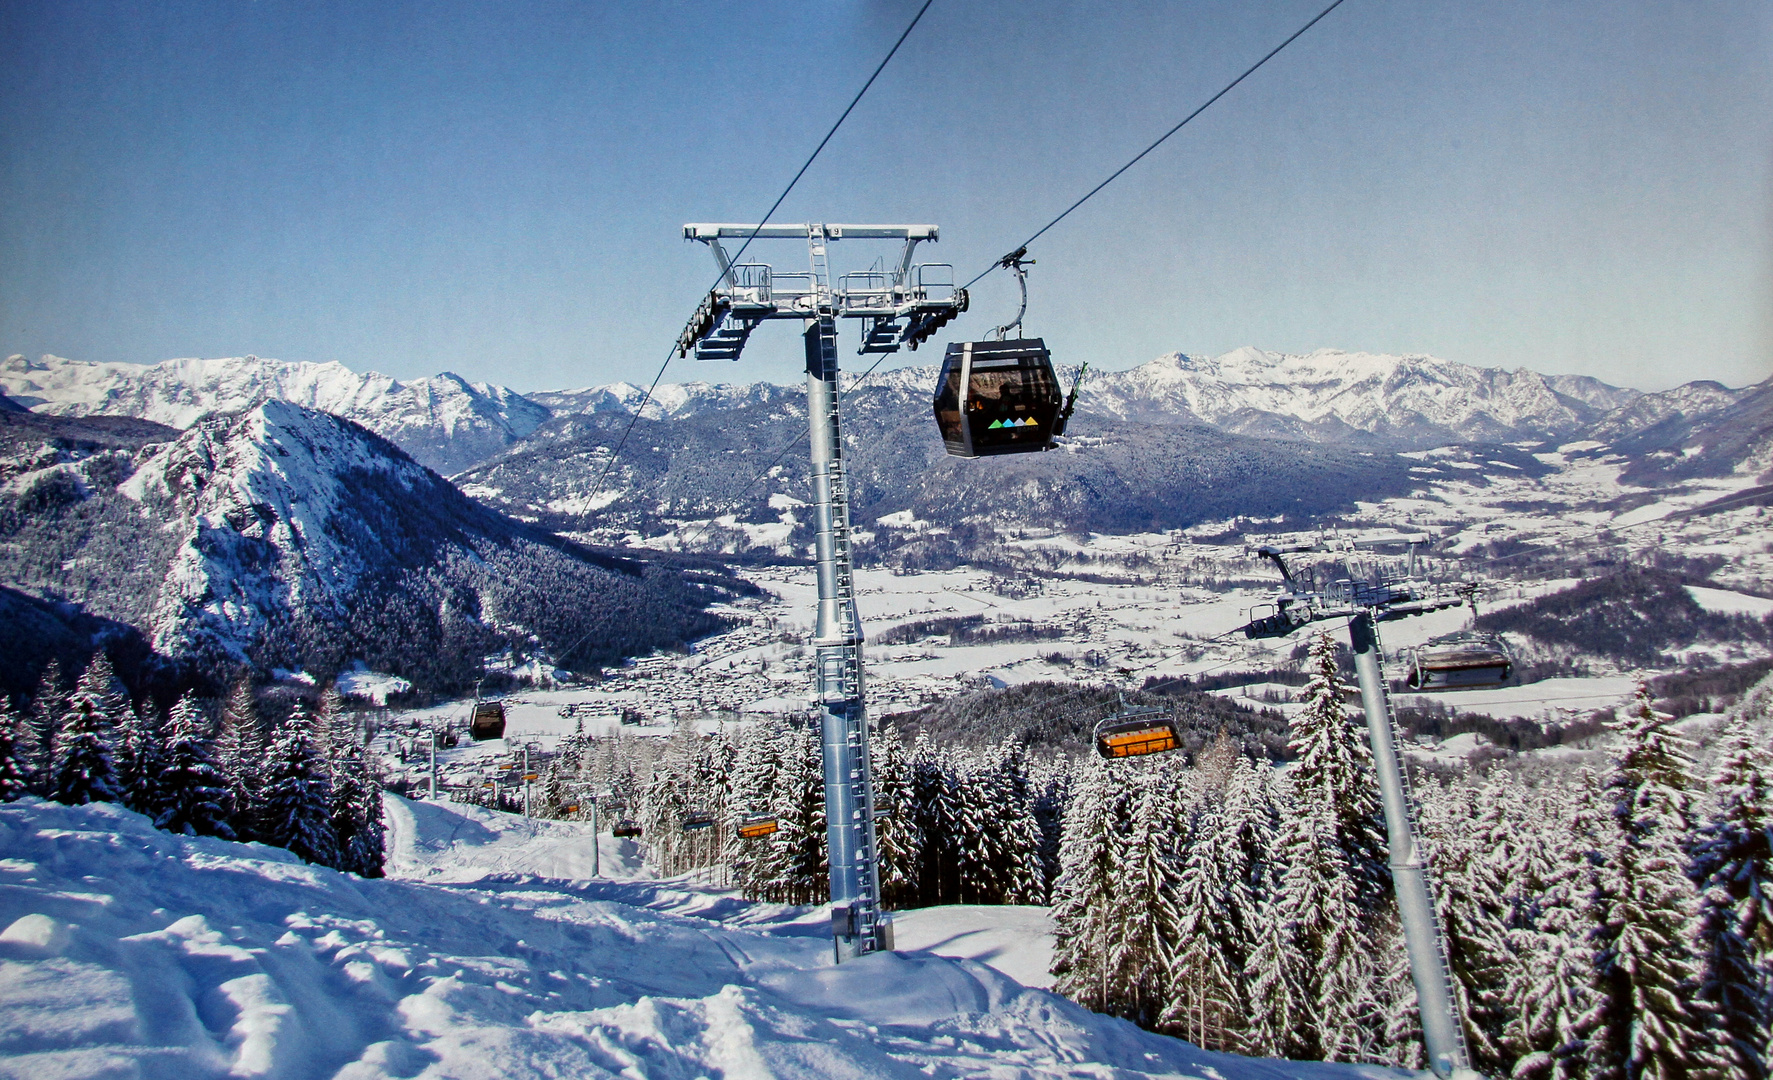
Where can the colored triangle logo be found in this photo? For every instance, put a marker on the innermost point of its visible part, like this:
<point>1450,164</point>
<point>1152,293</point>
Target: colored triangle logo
<point>995,424</point>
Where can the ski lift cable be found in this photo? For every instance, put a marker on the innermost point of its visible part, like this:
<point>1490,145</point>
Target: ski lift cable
<point>1006,261</point>
<point>648,396</point>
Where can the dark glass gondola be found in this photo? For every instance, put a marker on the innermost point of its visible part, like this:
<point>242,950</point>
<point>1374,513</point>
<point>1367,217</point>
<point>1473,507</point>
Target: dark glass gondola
<point>999,397</point>
<point>487,721</point>
<point>1467,660</point>
<point>1136,733</point>
<point>1002,396</point>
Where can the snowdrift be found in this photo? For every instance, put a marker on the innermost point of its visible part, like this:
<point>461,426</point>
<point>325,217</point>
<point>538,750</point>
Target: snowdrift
<point>129,952</point>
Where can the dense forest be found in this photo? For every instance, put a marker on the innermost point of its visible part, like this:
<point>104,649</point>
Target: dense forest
<point>203,768</point>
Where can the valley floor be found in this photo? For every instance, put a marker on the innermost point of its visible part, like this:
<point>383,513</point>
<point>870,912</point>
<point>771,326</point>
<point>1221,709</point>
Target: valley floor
<point>490,953</point>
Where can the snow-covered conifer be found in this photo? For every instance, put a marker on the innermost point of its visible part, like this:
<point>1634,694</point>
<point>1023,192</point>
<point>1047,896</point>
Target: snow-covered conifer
<point>1551,986</point>
<point>1206,1005</point>
<point>355,807</point>
<point>896,834</point>
<point>49,703</point>
<point>15,758</point>
<point>1469,830</point>
<point>83,770</point>
<point>297,796</point>
<point>936,814</point>
<point>1332,968</point>
<point>1733,869</point>
<point>240,752</point>
<point>1253,808</point>
<point>1146,933</point>
<point>1051,781</point>
<point>1084,899</point>
<point>1333,772</point>
<point>195,791</point>
<point>138,748</point>
<point>801,873</point>
<point>1645,1026</point>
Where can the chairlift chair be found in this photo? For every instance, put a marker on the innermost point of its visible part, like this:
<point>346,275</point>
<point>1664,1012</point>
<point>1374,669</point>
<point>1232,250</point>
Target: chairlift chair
<point>694,822</point>
<point>1465,660</point>
<point>1001,396</point>
<point>757,826</point>
<point>1136,733</point>
<point>625,828</point>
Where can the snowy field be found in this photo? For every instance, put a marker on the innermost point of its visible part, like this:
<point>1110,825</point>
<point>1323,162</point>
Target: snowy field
<point>130,952</point>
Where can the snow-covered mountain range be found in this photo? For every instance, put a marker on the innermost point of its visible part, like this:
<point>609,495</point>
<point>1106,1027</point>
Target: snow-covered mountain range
<point>444,422</point>
<point>1368,400</point>
<point>1335,396</point>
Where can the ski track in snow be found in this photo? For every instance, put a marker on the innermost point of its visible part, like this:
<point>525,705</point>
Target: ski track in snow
<point>131,952</point>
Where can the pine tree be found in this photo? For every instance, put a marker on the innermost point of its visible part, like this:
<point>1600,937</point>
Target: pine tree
<point>297,796</point>
<point>1052,794</point>
<point>1645,967</point>
<point>1022,876</point>
<point>1471,836</point>
<point>48,705</point>
<point>1336,869</point>
<point>801,872</point>
<point>1142,943</point>
<point>83,770</point>
<point>1333,770</point>
<point>195,789</point>
<point>896,833</point>
<point>1206,1003</point>
<point>1551,984</point>
<point>1732,868</point>
<point>1321,901</point>
<point>356,809</point>
<point>754,862</point>
<point>140,756</point>
<point>15,753</point>
<point>1084,899</point>
<point>240,752</point>
<point>1270,969</point>
<point>100,682</point>
<point>936,814</point>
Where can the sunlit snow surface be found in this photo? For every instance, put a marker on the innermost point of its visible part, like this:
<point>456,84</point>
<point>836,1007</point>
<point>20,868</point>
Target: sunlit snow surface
<point>125,951</point>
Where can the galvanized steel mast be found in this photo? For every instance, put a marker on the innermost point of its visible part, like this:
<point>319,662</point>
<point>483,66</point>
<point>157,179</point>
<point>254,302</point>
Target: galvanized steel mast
<point>903,307</point>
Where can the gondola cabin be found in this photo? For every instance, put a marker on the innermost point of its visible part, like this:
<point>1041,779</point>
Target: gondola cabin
<point>998,397</point>
<point>626,828</point>
<point>1136,733</point>
<point>757,827</point>
<point>487,721</point>
<point>1467,660</point>
<point>697,822</point>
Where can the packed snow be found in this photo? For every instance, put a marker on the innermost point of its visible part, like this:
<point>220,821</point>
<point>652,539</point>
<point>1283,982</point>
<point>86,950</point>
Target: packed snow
<point>130,952</point>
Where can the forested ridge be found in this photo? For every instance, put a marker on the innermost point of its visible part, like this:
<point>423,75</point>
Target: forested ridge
<point>291,539</point>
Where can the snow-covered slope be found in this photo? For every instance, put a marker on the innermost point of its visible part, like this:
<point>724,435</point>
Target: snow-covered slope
<point>444,422</point>
<point>129,952</point>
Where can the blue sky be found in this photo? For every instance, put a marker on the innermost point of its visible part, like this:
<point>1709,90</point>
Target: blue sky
<point>498,189</point>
